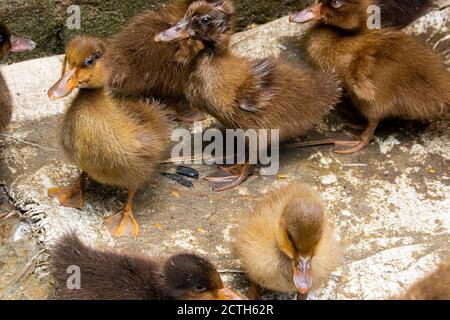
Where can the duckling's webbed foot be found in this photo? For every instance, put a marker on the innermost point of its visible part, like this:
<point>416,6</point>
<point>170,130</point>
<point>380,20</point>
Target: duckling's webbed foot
<point>72,196</point>
<point>349,147</point>
<point>356,144</point>
<point>124,222</point>
<point>231,181</point>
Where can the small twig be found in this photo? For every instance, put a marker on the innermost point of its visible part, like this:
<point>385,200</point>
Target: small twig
<point>355,165</point>
<point>29,268</point>
<point>224,159</point>
<point>196,158</point>
<point>220,196</point>
<point>307,144</point>
<point>28,142</point>
<point>6,215</point>
<point>232,271</point>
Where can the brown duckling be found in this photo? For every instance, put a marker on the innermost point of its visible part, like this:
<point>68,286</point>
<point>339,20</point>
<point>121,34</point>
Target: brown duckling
<point>436,286</point>
<point>287,244</point>
<point>387,73</point>
<point>115,141</point>
<point>8,44</point>
<point>139,67</point>
<point>248,94</point>
<point>110,275</point>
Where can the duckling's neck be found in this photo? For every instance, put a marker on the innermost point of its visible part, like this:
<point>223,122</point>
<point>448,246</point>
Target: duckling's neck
<point>217,47</point>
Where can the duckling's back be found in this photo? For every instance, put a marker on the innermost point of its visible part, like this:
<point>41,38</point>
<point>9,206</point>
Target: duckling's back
<point>140,67</point>
<point>116,141</point>
<point>104,275</point>
<point>5,104</point>
<point>410,80</point>
<point>263,94</point>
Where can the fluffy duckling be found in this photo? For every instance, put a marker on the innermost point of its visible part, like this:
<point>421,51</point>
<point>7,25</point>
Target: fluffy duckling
<point>114,141</point>
<point>287,243</point>
<point>248,94</point>
<point>109,275</point>
<point>434,287</point>
<point>387,73</point>
<point>139,67</point>
<point>8,44</point>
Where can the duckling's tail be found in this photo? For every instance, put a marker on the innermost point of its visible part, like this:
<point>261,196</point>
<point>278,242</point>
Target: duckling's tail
<point>329,84</point>
<point>81,272</point>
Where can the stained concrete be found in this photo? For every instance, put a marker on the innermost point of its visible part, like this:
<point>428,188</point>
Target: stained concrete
<point>390,204</point>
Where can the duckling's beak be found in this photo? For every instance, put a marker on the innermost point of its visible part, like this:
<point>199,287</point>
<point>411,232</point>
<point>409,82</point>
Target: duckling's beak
<point>227,294</point>
<point>311,13</point>
<point>302,276</point>
<point>178,32</point>
<point>64,86</point>
<point>21,44</point>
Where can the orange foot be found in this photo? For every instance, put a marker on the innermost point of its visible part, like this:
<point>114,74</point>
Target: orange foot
<point>71,197</point>
<point>122,224</point>
<point>349,147</point>
<point>242,172</point>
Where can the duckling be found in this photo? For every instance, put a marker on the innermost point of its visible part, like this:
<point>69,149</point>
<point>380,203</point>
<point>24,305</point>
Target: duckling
<point>115,141</point>
<point>287,244</point>
<point>139,67</point>
<point>248,94</point>
<point>8,44</point>
<point>110,275</point>
<point>387,73</point>
<point>436,286</point>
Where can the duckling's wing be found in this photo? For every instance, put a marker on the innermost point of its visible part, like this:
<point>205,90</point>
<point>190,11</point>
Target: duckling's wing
<point>259,86</point>
<point>359,79</point>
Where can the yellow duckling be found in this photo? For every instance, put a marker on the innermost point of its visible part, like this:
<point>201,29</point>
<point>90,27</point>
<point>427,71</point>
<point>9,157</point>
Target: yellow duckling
<point>118,142</point>
<point>287,243</point>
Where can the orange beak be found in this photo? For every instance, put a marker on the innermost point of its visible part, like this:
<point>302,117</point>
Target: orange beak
<point>64,86</point>
<point>302,277</point>
<point>176,33</point>
<point>227,294</point>
<point>21,45</point>
<point>312,13</point>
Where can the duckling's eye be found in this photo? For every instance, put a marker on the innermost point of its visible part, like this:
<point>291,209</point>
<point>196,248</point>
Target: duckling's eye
<point>337,3</point>
<point>199,288</point>
<point>1,39</point>
<point>205,20</point>
<point>90,61</point>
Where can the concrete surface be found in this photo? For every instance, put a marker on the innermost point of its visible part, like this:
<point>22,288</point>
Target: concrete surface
<point>390,203</point>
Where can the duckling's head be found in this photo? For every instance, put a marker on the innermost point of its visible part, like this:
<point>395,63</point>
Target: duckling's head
<point>204,21</point>
<point>350,15</point>
<point>190,277</point>
<point>9,43</point>
<point>82,67</point>
<point>300,231</point>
